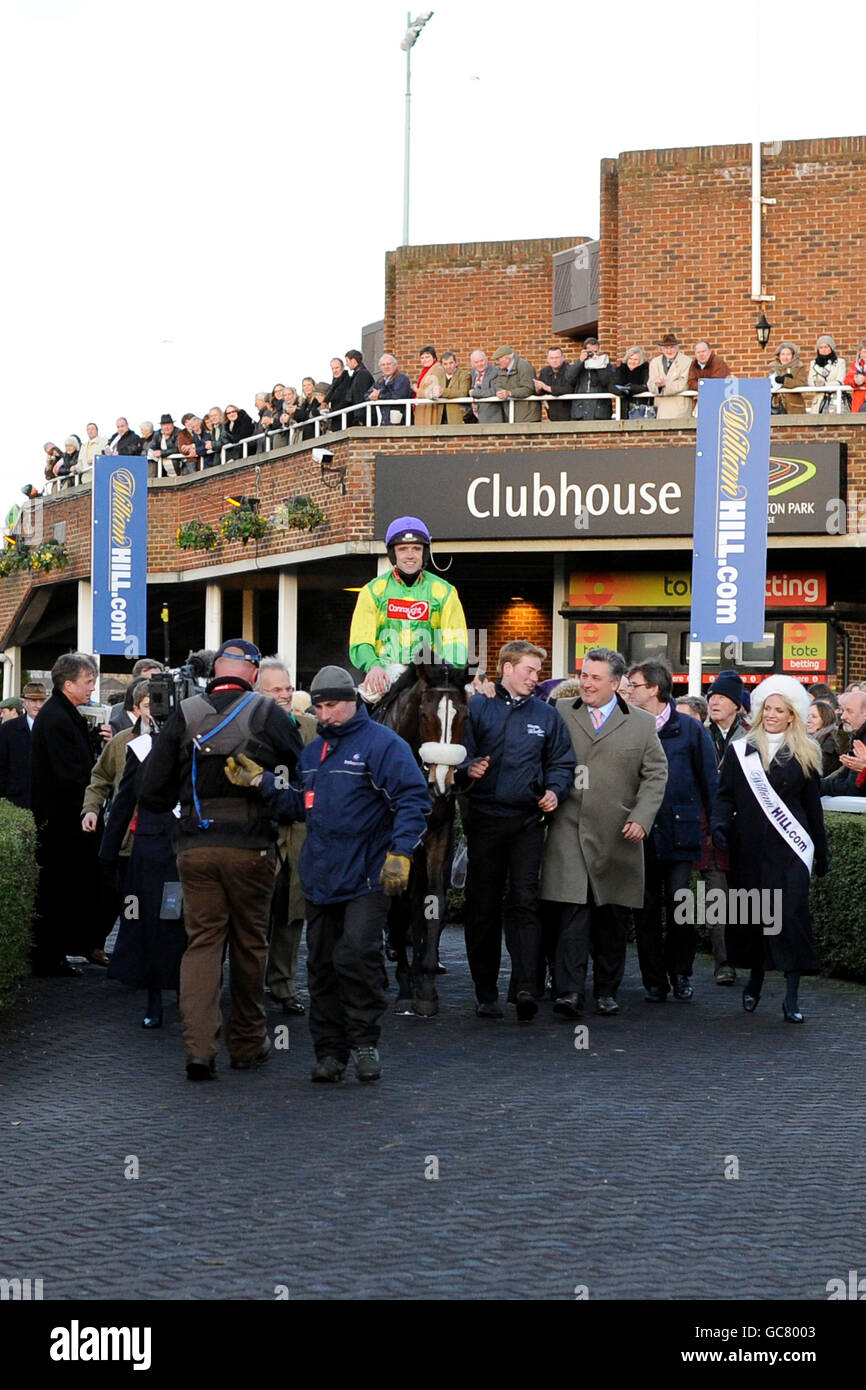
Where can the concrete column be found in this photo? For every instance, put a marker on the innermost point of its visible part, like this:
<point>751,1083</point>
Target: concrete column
<point>560,662</point>
<point>287,619</point>
<point>12,673</point>
<point>248,615</point>
<point>213,617</point>
<point>85,616</point>
<point>383,565</point>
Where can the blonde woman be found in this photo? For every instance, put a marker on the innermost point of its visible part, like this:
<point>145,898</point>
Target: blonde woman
<point>770,797</point>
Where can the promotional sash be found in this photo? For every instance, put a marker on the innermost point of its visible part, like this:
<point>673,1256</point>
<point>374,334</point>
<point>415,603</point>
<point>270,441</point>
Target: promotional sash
<point>792,832</point>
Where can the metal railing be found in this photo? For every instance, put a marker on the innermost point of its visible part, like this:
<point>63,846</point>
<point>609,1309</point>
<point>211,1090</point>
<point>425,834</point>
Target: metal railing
<point>285,436</point>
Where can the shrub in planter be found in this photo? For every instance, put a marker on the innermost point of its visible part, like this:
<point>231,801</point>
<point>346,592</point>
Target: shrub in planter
<point>837,902</point>
<point>18,873</point>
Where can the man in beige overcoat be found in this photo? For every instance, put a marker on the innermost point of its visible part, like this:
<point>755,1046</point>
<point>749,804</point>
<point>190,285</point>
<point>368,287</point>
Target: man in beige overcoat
<point>668,378</point>
<point>593,868</point>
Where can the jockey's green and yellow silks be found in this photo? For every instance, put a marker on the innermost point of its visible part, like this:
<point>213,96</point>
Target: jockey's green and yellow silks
<point>393,622</point>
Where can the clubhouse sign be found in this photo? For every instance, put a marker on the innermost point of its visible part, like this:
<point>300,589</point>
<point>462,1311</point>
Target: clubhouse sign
<point>591,492</point>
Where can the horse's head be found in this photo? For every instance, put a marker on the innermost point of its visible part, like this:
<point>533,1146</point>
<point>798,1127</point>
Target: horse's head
<point>443,711</point>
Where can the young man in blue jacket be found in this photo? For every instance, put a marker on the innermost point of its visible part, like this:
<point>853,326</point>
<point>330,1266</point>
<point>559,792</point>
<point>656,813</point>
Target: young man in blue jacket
<point>365,803</point>
<point>666,959</point>
<point>520,766</point>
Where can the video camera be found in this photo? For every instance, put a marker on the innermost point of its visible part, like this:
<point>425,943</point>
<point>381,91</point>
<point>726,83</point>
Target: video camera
<point>178,683</point>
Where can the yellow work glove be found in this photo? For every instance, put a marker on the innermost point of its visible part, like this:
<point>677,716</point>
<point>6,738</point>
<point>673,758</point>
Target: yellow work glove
<point>242,771</point>
<point>394,877</point>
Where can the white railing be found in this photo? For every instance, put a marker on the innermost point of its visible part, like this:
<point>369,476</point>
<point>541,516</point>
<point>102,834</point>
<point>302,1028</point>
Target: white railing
<point>174,465</point>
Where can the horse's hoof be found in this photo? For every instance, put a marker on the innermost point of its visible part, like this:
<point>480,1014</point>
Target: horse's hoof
<point>425,1008</point>
<point>405,1008</point>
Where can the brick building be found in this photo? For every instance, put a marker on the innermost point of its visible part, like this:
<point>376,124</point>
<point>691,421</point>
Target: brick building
<point>674,252</point>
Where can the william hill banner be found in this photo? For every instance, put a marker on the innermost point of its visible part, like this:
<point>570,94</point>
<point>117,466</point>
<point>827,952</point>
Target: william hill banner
<point>119,555</point>
<point>729,571</point>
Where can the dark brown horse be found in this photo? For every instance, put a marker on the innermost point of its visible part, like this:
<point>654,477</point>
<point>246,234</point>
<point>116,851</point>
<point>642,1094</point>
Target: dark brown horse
<point>428,709</point>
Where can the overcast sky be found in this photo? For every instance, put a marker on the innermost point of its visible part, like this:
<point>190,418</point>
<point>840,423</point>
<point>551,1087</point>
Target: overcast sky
<point>200,193</point>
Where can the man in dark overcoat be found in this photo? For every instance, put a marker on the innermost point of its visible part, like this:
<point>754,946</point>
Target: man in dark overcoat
<point>62,755</point>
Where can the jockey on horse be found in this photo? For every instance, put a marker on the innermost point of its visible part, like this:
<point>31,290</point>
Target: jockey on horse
<point>406,616</point>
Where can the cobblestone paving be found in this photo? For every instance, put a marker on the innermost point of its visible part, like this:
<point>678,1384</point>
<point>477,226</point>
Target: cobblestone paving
<point>558,1166</point>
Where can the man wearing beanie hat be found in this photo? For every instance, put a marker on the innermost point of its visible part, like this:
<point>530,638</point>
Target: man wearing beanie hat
<point>365,803</point>
<point>726,698</point>
<point>225,841</point>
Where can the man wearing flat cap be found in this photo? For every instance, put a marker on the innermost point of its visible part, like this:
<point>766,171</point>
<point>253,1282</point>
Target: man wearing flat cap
<point>15,746</point>
<point>365,803</point>
<point>668,378</point>
<point>515,381</point>
<point>225,841</point>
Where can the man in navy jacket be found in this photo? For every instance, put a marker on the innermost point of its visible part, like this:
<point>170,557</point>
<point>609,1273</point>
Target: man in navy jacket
<point>675,839</point>
<point>390,385</point>
<point>365,802</point>
<point>520,766</point>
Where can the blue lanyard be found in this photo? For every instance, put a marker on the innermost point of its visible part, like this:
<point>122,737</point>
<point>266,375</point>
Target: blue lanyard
<point>206,824</point>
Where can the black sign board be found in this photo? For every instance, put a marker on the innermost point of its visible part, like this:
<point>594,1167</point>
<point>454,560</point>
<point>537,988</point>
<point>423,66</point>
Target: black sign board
<point>549,493</point>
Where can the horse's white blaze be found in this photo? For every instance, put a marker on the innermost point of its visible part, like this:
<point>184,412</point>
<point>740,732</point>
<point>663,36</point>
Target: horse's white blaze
<point>446,712</point>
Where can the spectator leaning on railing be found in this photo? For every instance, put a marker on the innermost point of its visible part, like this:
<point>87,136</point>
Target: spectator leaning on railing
<point>630,380</point>
<point>429,387</point>
<point>362,381</point>
<point>484,377</point>
<point>124,441</point>
<point>556,379</point>
<point>592,374</point>
<point>457,383</point>
<point>826,369</point>
<point>515,380</point>
<point>390,385</point>
<point>855,377</point>
<point>339,394</point>
<point>786,372</point>
<point>669,378</point>
<point>707,364</point>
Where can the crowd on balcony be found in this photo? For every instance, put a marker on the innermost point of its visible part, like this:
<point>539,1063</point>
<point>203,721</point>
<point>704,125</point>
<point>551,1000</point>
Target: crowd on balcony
<point>503,389</point>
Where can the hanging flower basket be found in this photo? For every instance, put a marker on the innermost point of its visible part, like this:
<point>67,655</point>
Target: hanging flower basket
<point>196,535</point>
<point>302,513</point>
<point>15,557</point>
<point>243,525</point>
<point>49,555</point>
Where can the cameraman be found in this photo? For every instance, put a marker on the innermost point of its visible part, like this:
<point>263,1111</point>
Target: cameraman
<point>593,373</point>
<point>225,842</point>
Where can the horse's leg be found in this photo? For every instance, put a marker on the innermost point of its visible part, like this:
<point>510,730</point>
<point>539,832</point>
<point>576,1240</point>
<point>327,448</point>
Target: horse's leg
<point>398,933</point>
<point>429,917</point>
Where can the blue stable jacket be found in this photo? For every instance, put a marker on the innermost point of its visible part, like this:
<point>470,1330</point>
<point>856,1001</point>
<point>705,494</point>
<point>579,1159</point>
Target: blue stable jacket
<point>362,796</point>
<point>693,786</point>
<point>530,752</point>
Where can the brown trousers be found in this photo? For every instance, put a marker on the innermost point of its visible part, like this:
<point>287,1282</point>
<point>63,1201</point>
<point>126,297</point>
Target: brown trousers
<point>226,894</point>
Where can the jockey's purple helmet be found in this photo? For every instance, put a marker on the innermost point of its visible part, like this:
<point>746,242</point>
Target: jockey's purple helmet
<point>407,530</point>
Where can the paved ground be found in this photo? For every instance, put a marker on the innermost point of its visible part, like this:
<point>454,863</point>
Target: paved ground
<point>558,1167</point>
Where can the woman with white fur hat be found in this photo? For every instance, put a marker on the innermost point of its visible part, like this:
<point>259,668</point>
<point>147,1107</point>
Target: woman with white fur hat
<point>771,810</point>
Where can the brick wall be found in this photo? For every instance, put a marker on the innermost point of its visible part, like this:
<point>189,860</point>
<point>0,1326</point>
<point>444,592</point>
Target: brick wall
<point>349,519</point>
<point>483,294</point>
<point>676,247</point>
